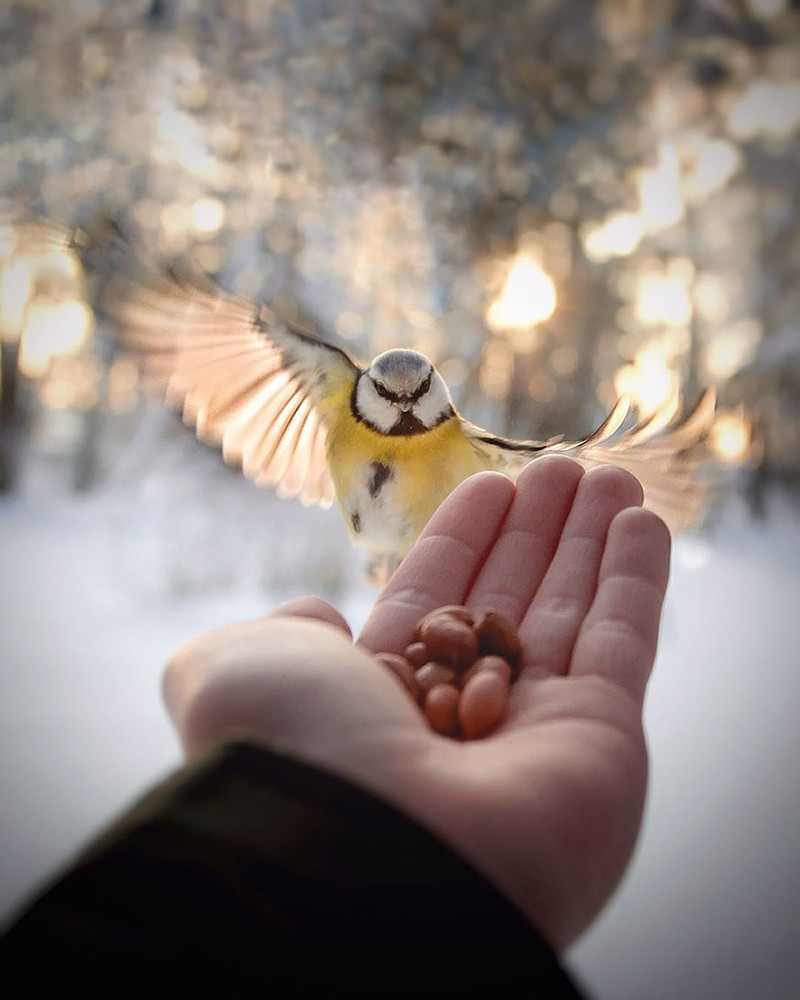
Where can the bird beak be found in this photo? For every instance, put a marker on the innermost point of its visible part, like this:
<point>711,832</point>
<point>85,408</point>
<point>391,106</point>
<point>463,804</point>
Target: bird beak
<point>405,403</point>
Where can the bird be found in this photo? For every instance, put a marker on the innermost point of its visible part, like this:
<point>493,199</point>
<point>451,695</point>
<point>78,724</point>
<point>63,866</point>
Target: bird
<point>383,439</point>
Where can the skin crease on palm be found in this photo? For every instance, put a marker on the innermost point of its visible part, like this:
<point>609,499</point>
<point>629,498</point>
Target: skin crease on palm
<point>548,807</point>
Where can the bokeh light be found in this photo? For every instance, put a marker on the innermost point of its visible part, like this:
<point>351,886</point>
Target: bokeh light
<point>560,203</point>
<point>649,382</point>
<point>558,225</point>
<point>53,330</point>
<point>731,436</point>
<point>528,297</point>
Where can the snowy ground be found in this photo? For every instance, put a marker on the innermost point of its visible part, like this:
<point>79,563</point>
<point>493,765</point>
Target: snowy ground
<point>96,592</point>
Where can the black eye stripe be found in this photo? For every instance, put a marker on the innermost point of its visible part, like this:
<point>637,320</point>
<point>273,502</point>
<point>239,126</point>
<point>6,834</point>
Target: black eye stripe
<point>388,394</point>
<point>423,388</point>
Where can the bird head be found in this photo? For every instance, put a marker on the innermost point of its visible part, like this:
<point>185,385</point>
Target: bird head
<point>401,393</point>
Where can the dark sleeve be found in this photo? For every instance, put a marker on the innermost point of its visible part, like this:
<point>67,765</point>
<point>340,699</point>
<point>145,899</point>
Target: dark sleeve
<point>250,870</point>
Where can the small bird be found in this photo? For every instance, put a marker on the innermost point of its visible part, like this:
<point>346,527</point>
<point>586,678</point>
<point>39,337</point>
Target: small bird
<point>383,439</point>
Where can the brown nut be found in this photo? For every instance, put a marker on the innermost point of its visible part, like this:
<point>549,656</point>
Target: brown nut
<point>495,664</point>
<point>417,654</point>
<point>456,611</point>
<point>482,704</point>
<point>433,673</point>
<point>450,641</point>
<point>441,709</point>
<point>497,637</point>
<point>402,670</point>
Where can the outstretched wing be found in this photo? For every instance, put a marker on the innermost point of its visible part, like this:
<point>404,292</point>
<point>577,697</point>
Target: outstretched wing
<point>246,380</point>
<point>23,233</point>
<point>664,456</point>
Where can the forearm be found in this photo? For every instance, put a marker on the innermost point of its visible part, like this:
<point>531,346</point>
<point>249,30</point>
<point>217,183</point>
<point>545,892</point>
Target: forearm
<point>251,869</point>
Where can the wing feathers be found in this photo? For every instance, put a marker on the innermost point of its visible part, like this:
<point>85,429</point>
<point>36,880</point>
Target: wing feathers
<point>245,380</point>
<point>610,425</point>
<point>668,466</point>
<point>295,440</point>
<point>665,458</point>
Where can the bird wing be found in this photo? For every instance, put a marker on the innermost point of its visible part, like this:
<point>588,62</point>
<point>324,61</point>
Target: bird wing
<point>20,233</point>
<point>245,379</point>
<point>665,456</point>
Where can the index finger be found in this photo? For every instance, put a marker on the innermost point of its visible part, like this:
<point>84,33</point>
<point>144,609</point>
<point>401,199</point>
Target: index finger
<point>444,561</point>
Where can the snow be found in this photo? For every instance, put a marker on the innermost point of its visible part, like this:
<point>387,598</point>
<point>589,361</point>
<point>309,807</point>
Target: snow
<point>96,592</point>
<point>710,907</point>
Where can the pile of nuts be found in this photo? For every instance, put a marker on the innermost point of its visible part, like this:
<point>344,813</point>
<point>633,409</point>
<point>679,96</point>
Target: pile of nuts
<point>459,667</point>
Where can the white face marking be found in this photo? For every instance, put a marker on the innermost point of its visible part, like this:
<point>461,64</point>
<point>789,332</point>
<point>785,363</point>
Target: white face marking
<point>400,385</point>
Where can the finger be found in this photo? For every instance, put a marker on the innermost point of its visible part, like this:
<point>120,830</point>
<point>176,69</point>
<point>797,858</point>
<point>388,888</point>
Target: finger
<point>286,679</point>
<point>550,628</point>
<point>619,637</point>
<point>444,561</point>
<point>529,537</point>
<point>311,607</point>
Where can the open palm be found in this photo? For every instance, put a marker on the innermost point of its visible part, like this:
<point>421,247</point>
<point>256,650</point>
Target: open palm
<point>549,806</point>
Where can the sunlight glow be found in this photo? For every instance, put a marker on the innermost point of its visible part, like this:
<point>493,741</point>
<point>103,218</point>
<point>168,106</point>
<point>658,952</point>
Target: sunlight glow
<point>178,139</point>
<point>208,215</point>
<point>712,298</point>
<point>16,288</point>
<point>733,348</point>
<point>648,382</point>
<point>715,163</point>
<point>528,297</point>
<point>659,187</point>
<point>730,436</point>
<point>768,108</point>
<point>53,330</point>
<point>663,299</point>
<point>617,236</point>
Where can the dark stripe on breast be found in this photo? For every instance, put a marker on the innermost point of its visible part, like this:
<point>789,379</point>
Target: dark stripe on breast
<point>379,474</point>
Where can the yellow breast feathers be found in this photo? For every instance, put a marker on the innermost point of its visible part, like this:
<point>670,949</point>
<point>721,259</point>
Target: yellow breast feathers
<point>389,485</point>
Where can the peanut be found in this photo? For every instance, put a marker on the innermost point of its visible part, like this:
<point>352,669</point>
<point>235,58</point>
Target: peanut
<point>417,654</point>
<point>482,704</point>
<point>450,641</point>
<point>402,670</point>
<point>459,668</point>
<point>497,637</point>
<point>441,709</point>
<point>433,673</point>
<point>493,663</point>
<point>455,611</point>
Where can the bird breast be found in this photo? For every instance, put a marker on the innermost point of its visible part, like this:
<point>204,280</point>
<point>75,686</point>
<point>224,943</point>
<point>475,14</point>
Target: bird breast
<point>388,486</point>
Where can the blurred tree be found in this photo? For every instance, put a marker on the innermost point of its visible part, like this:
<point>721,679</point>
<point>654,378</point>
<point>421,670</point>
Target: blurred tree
<point>391,170</point>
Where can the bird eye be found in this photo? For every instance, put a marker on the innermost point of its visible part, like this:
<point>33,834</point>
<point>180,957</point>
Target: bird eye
<point>382,391</point>
<point>422,388</point>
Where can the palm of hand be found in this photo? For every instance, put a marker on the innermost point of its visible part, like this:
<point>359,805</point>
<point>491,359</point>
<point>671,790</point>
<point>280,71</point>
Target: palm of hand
<point>549,806</point>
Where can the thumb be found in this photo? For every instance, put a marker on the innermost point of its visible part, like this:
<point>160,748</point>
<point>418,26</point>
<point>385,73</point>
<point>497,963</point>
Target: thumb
<point>314,608</point>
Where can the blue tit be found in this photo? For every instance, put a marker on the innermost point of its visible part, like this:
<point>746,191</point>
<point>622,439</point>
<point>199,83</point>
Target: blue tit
<point>383,439</point>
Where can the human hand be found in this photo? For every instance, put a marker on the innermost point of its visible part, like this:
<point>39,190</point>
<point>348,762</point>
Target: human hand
<point>548,807</point>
